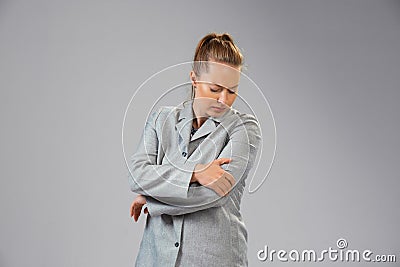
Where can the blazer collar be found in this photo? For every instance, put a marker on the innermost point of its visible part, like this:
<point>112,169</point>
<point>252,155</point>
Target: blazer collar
<point>187,112</point>
<point>208,127</point>
<point>185,118</point>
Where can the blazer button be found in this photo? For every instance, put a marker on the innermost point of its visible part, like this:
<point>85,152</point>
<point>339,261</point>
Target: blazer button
<point>184,154</point>
<point>176,244</point>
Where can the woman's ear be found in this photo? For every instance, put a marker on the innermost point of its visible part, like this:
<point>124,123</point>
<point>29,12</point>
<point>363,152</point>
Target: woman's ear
<point>193,78</point>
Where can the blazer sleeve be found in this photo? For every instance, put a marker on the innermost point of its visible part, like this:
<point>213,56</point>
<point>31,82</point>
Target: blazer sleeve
<point>146,177</point>
<point>242,147</point>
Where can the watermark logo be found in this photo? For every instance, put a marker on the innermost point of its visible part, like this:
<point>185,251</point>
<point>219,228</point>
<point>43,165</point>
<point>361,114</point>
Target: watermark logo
<point>341,254</point>
<point>341,243</point>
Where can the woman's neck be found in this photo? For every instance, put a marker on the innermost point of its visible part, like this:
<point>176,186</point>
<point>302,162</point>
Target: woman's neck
<point>198,118</point>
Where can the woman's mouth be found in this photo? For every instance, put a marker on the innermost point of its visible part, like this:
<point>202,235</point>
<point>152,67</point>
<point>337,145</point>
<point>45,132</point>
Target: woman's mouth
<point>218,109</point>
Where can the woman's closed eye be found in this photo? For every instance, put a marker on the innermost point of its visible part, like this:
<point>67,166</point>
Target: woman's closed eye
<point>215,90</point>
<point>219,90</point>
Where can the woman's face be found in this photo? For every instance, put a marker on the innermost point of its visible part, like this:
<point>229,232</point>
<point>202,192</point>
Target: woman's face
<point>215,90</point>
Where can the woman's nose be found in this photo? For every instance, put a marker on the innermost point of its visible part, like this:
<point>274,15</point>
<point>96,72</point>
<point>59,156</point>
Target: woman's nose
<point>222,97</point>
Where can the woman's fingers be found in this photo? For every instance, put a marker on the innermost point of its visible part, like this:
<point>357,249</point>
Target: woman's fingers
<point>221,161</point>
<point>136,207</point>
<point>216,178</point>
<point>137,211</point>
<point>229,177</point>
<point>217,189</point>
<point>223,185</point>
<point>226,181</point>
<point>132,208</point>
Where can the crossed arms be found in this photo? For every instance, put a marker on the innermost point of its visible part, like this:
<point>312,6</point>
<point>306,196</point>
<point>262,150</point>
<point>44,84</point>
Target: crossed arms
<point>175,188</point>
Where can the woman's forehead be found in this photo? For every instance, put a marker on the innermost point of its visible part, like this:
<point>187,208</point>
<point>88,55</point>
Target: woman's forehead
<point>221,75</point>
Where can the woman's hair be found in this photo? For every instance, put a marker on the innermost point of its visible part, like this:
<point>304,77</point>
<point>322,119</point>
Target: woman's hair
<point>216,47</point>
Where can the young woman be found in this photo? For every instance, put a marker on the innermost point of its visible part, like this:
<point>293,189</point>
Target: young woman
<point>191,165</point>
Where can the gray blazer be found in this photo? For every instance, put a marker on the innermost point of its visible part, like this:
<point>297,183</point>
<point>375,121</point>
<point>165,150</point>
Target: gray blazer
<point>189,224</point>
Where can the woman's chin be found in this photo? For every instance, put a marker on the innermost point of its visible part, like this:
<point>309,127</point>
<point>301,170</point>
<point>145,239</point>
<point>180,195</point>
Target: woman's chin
<point>216,112</point>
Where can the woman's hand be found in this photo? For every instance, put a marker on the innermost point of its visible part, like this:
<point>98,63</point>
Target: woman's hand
<point>214,177</point>
<point>136,207</point>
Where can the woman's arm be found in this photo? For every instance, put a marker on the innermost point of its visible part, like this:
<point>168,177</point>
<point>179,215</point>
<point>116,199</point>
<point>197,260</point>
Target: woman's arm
<point>242,148</point>
<point>146,177</point>
<point>171,180</point>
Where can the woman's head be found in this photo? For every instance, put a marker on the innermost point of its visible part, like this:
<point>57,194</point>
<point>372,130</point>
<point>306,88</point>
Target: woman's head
<point>215,75</point>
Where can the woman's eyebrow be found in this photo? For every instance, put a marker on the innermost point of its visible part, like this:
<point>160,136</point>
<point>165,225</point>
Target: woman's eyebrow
<point>230,88</point>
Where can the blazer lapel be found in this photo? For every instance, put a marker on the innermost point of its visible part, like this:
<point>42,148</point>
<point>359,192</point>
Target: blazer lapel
<point>185,121</point>
<point>184,125</point>
<point>208,127</point>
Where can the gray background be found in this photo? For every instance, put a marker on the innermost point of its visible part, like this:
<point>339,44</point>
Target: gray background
<point>330,69</point>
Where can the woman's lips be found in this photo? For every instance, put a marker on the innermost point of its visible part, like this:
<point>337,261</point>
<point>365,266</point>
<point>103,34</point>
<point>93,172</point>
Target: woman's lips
<point>219,109</point>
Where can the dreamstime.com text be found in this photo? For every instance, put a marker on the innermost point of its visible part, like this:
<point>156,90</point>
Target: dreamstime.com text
<point>332,254</point>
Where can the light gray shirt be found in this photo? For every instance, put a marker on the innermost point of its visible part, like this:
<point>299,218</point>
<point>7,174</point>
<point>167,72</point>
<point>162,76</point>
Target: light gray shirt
<point>189,224</point>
